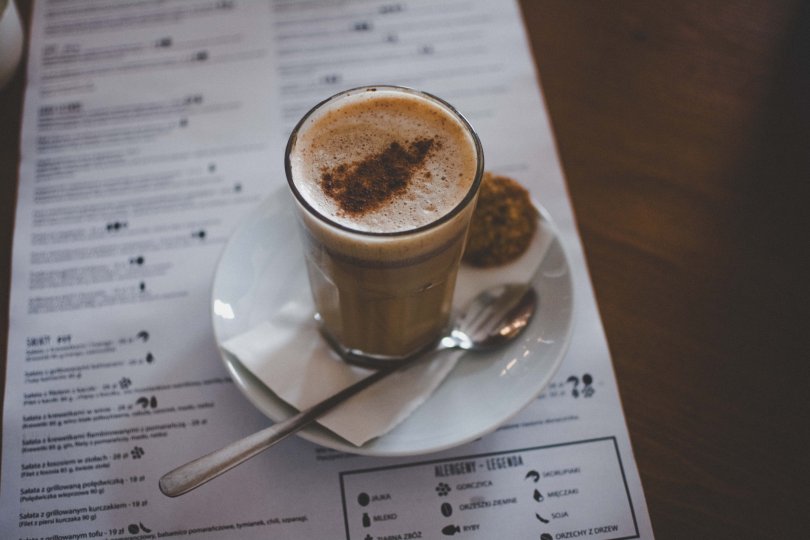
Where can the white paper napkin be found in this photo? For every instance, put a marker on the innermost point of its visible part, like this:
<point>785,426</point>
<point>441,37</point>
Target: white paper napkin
<point>288,355</point>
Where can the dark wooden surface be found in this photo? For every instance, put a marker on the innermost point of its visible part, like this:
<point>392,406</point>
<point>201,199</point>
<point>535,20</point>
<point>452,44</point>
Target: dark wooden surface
<point>684,132</point>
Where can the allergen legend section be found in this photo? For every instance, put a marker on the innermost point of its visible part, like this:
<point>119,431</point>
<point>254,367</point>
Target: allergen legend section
<point>569,490</point>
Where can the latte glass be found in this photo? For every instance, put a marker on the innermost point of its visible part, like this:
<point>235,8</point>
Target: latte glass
<point>383,295</point>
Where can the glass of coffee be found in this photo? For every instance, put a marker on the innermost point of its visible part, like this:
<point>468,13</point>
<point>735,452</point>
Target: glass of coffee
<point>385,181</point>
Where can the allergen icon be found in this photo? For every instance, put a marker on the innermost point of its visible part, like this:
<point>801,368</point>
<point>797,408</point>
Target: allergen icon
<point>447,509</point>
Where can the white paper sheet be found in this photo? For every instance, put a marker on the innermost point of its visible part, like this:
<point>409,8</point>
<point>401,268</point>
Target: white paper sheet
<point>150,129</point>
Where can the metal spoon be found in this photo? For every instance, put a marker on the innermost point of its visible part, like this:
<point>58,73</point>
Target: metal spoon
<point>493,318</point>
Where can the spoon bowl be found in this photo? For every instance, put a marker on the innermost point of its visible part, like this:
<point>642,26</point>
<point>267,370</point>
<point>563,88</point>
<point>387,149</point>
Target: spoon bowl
<point>492,318</point>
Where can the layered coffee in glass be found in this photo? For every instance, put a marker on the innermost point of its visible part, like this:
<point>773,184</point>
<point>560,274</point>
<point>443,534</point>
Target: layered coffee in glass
<point>385,181</point>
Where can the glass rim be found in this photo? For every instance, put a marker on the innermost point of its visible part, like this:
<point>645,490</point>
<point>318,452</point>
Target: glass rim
<point>465,201</point>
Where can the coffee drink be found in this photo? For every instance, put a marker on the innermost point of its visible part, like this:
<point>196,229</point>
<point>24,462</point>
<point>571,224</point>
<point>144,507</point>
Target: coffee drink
<point>385,179</point>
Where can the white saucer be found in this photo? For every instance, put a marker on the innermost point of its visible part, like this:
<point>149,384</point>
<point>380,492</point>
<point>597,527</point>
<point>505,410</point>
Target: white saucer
<point>262,267</point>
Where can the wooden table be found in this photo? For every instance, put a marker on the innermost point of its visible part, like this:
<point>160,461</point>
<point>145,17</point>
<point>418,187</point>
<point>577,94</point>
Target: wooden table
<point>684,132</point>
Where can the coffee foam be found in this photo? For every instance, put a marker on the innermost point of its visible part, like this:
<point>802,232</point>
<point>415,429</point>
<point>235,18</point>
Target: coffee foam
<point>364,124</point>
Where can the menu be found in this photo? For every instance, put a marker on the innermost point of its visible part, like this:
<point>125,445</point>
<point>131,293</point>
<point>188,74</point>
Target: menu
<point>150,129</point>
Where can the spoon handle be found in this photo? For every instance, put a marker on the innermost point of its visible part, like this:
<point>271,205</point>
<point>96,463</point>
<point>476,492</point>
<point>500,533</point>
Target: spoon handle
<point>195,473</point>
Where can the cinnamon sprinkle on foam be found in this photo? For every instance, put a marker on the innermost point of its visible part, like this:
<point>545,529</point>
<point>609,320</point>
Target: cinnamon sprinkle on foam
<point>366,185</point>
